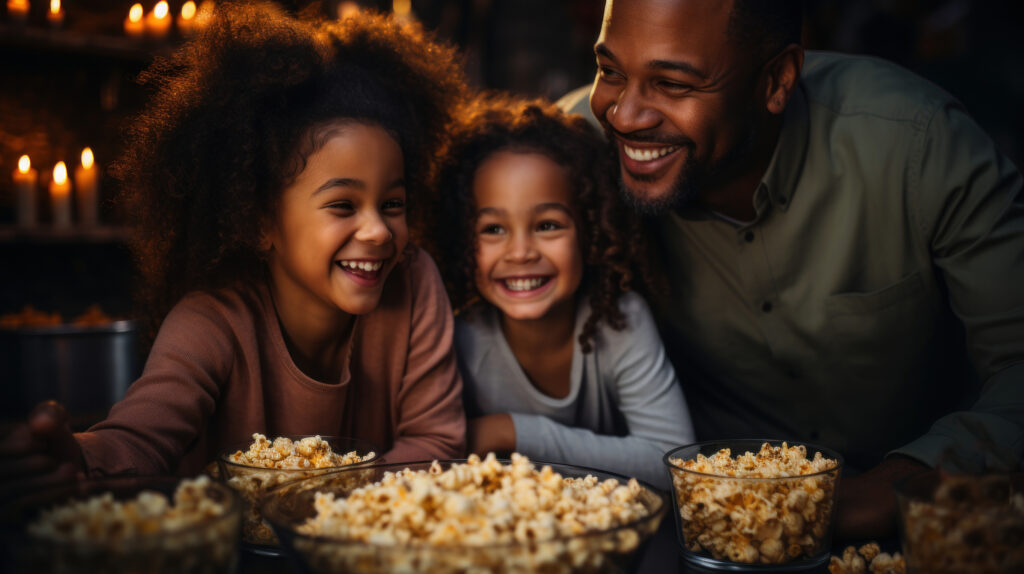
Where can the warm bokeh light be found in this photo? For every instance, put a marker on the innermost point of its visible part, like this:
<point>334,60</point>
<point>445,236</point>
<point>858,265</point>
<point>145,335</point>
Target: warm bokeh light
<point>54,6</point>
<point>135,14</point>
<point>161,9</point>
<point>188,10</point>
<point>401,7</point>
<point>87,158</point>
<point>347,9</point>
<point>60,173</point>
<point>24,164</point>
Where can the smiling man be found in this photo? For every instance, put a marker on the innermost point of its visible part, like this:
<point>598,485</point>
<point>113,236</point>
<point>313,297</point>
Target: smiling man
<point>844,245</point>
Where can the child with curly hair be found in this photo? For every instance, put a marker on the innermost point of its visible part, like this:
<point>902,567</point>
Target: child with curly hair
<point>268,181</point>
<point>560,361</point>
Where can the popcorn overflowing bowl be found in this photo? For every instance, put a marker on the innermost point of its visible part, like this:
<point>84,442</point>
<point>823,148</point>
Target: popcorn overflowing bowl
<point>477,515</point>
<point>962,523</point>
<point>255,467</point>
<point>754,504</point>
<point>127,525</point>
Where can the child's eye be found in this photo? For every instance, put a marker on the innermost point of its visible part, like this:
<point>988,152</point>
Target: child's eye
<point>492,229</point>
<point>342,206</point>
<point>393,206</point>
<point>549,226</point>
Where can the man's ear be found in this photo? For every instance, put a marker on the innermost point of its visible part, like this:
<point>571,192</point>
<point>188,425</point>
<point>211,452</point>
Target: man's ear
<point>783,73</point>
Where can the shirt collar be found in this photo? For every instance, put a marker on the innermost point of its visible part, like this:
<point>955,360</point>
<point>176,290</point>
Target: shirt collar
<point>783,173</point>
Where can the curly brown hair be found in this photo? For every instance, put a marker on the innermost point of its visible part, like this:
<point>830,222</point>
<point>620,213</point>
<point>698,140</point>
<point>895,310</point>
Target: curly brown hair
<point>613,246</point>
<point>235,115</point>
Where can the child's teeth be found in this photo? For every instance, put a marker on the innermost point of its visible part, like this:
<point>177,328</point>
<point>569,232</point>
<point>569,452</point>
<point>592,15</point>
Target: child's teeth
<point>523,284</point>
<point>363,265</point>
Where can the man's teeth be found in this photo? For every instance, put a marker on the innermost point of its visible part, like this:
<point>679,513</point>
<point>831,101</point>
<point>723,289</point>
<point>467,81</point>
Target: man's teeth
<point>524,284</point>
<point>648,154</point>
<point>362,265</point>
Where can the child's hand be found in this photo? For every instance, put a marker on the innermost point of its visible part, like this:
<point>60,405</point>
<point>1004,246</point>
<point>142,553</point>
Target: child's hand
<point>40,452</point>
<point>491,433</point>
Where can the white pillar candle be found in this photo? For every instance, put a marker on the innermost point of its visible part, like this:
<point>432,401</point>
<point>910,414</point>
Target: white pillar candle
<point>17,10</point>
<point>25,179</point>
<point>60,196</point>
<point>86,190</point>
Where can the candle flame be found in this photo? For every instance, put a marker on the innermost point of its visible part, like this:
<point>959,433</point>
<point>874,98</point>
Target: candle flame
<point>188,10</point>
<point>161,9</point>
<point>60,173</point>
<point>54,6</point>
<point>401,7</point>
<point>135,14</point>
<point>348,9</point>
<point>24,164</point>
<point>87,158</point>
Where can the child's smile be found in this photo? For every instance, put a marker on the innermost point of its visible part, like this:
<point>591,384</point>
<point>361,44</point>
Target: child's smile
<point>366,272</point>
<point>528,255</point>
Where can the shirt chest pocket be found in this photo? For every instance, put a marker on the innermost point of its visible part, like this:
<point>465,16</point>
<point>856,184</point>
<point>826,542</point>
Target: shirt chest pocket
<point>881,335</point>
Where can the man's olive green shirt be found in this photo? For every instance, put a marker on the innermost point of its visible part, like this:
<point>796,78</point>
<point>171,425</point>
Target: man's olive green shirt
<point>876,303</point>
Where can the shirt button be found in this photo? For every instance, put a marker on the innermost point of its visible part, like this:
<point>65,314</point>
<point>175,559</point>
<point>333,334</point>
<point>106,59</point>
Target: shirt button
<point>766,306</point>
<point>749,236</point>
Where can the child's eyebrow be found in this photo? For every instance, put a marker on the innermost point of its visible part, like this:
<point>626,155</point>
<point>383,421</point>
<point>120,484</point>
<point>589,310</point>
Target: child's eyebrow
<point>354,184</point>
<point>541,207</point>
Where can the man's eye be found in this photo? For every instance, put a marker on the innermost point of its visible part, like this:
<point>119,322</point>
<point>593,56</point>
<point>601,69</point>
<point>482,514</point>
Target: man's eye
<point>608,74</point>
<point>674,87</point>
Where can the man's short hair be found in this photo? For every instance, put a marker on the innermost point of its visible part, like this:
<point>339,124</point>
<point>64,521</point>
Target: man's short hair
<point>767,26</point>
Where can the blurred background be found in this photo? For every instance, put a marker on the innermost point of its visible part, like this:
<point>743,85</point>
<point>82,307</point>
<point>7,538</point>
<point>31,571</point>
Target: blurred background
<point>67,82</point>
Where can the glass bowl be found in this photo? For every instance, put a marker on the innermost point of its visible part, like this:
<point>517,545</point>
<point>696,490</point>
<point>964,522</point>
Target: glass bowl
<point>208,546</point>
<point>252,482</point>
<point>962,523</point>
<point>610,550</point>
<point>753,524</point>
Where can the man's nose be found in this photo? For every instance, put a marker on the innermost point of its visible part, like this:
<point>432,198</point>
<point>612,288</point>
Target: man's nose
<point>631,111</point>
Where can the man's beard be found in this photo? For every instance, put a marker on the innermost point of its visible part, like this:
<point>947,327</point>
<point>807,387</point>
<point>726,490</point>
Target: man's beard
<point>695,176</point>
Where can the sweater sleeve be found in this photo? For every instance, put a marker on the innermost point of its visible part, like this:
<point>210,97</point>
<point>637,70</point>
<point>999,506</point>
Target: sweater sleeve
<point>649,398</point>
<point>431,422</point>
<point>971,214</point>
<point>163,412</point>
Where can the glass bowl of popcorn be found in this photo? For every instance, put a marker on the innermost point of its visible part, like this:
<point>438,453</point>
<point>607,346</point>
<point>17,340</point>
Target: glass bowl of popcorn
<point>476,515</point>
<point>754,504</point>
<point>962,523</point>
<point>255,467</point>
<point>127,525</point>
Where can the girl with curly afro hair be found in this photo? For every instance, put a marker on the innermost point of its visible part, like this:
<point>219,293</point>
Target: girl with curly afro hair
<point>268,182</point>
<point>561,360</point>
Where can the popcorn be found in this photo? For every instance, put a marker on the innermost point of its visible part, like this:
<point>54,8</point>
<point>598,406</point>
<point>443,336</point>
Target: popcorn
<point>283,460</point>
<point>868,559</point>
<point>732,517</point>
<point>974,524</point>
<point>195,532</point>
<point>436,514</point>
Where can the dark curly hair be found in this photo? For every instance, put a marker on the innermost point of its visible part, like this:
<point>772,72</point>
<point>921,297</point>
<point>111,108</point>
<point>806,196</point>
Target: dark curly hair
<point>614,252</point>
<point>235,115</point>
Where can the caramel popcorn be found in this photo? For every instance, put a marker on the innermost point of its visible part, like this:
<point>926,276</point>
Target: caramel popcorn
<point>431,518</point>
<point>731,511</point>
<point>194,532</point>
<point>974,524</point>
<point>266,464</point>
<point>868,559</point>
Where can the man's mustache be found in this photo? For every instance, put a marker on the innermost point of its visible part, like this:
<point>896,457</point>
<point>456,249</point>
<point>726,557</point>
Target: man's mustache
<point>648,136</point>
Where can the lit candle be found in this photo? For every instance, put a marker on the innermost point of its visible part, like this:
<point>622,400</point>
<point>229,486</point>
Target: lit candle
<point>86,188</point>
<point>17,10</point>
<point>204,14</point>
<point>187,20</point>
<point>56,14</point>
<point>133,25</point>
<point>60,196</point>
<point>348,9</point>
<point>158,22</point>
<point>25,189</point>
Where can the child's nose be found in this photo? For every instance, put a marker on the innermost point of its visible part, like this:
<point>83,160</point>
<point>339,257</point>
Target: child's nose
<point>374,230</point>
<point>522,249</point>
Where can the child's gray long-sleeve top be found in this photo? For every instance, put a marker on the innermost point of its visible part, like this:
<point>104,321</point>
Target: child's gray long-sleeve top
<point>625,407</point>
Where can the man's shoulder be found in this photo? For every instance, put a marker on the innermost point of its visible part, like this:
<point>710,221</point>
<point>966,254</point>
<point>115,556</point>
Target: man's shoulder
<point>578,102</point>
<point>854,85</point>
